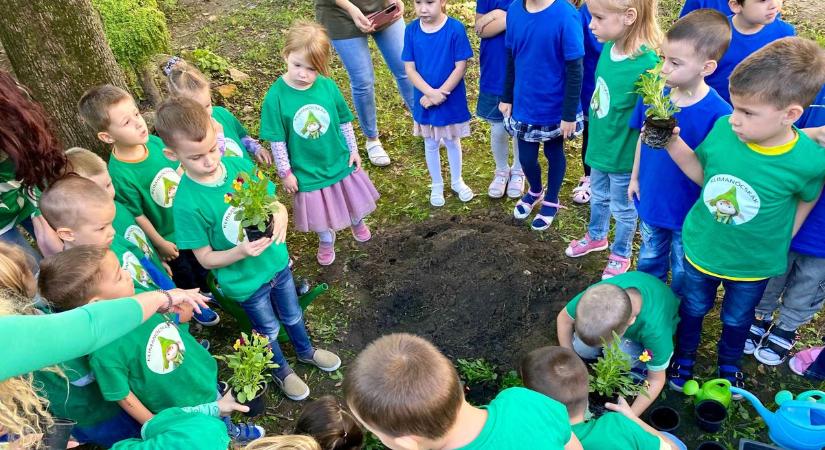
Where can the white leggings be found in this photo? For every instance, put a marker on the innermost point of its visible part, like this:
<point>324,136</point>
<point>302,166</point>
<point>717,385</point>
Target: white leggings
<point>433,156</point>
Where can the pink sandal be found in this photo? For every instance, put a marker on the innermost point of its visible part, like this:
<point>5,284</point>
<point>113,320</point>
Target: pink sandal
<point>800,362</point>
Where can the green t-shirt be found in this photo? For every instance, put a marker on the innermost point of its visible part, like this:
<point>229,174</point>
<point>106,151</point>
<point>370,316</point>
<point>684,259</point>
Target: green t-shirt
<point>519,418</point>
<point>613,431</point>
<point>147,187</point>
<point>174,428</point>
<point>203,218</point>
<point>310,123</point>
<point>338,22</point>
<point>15,205</point>
<point>233,132</point>
<point>656,323</point>
<point>77,396</point>
<point>162,364</point>
<point>129,236</point>
<point>740,227</point>
<point>612,142</point>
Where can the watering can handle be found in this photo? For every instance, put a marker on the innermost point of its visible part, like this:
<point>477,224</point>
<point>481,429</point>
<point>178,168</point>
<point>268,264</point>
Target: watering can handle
<point>814,395</point>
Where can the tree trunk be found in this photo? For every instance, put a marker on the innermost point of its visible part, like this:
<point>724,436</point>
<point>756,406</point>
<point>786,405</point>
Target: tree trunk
<point>58,50</point>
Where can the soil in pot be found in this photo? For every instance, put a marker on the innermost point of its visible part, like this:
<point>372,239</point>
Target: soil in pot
<point>596,403</point>
<point>710,414</point>
<point>480,393</point>
<point>709,445</point>
<point>257,405</point>
<point>657,132</point>
<point>663,418</point>
<point>253,233</point>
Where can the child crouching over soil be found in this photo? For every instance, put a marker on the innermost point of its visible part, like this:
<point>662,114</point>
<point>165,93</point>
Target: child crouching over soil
<point>560,374</point>
<point>408,394</point>
<point>640,309</point>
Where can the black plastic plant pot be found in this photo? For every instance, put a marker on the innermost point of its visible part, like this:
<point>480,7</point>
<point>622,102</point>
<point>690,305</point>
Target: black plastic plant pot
<point>664,418</point>
<point>710,414</point>
<point>710,445</point>
<point>57,436</point>
<point>597,402</point>
<point>257,405</point>
<point>657,132</point>
<point>253,233</point>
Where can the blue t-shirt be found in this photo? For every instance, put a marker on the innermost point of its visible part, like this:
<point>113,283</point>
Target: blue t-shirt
<point>667,194</point>
<point>493,53</point>
<point>592,51</point>
<point>809,238</point>
<point>435,55</point>
<point>719,5</point>
<point>541,42</point>
<point>741,46</point>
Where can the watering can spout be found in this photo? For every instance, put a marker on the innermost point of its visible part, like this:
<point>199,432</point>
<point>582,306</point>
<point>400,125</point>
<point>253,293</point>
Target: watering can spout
<point>757,405</point>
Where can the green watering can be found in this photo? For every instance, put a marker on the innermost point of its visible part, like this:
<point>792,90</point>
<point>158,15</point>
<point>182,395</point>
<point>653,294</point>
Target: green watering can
<point>717,389</point>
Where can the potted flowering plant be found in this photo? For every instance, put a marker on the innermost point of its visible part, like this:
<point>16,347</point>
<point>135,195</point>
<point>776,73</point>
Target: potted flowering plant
<point>659,120</point>
<point>611,376</point>
<point>250,363</point>
<point>255,205</point>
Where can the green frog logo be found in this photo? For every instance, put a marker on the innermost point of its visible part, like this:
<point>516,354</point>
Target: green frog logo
<point>730,200</point>
<point>311,121</point>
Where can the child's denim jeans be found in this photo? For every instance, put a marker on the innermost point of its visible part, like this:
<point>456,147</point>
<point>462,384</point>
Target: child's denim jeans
<point>273,304</point>
<point>106,434</point>
<point>801,289</point>
<point>609,197</point>
<point>661,251</point>
<point>738,304</point>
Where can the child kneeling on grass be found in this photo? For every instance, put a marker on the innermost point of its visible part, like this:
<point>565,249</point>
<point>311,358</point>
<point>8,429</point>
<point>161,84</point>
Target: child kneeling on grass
<point>640,309</point>
<point>255,274</point>
<point>407,393</point>
<point>560,374</point>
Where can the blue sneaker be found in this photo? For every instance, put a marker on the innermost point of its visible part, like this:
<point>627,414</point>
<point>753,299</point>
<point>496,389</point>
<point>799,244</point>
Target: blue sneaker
<point>207,317</point>
<point>243,432</point>
<point>679,372</point>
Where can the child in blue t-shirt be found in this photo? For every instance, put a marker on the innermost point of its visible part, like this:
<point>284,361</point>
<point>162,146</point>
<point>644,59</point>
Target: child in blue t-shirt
<point>592,52</point>
<point>491,16</point>
<point>436,50</point>
<point>719,5</point>
<point>541,95</point>
<point>800,288</point>
<point>691,49</point>
<point>754,24</point>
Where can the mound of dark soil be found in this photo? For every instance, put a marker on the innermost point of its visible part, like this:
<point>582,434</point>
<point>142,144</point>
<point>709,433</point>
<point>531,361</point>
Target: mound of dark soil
<point>478,287</point>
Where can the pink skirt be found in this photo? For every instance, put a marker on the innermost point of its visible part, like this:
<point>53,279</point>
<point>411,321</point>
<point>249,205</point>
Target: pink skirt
<point>335,207</point>
<point>449,132</point>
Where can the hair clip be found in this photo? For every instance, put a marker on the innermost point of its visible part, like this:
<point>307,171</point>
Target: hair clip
<point>167,68</point>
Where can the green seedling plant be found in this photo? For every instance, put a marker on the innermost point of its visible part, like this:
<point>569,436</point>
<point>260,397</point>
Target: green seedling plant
<point>251,364</point>
<point>511,379</point>
<point>209,62</point>
<point>611,373</point>
<point>476,371</point>
<point>660,112</point>
<point>255,205</point>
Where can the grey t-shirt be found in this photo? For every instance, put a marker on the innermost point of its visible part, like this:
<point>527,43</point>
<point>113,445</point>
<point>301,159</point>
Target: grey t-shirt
<point>338,23</point>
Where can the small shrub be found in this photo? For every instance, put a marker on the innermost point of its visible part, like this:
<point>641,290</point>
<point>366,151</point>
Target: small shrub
<point>475,371</point>
<point>136,30</point>
<point>209,62</point>
<point>611,373</point>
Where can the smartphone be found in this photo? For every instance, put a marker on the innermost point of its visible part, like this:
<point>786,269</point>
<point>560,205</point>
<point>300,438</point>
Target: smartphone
<point>381,19</point>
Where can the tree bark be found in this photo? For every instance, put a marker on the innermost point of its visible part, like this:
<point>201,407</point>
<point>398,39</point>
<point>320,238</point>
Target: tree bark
<point>58,50</point>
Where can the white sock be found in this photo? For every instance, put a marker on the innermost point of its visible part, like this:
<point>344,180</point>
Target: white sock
<point>454,157</point>
<point>500,144</point>
<point>433,157</point>
<point>327,237</point>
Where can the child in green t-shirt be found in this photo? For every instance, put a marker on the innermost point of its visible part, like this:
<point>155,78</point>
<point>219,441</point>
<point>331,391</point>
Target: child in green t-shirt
<point>560,374</point>
<point>309,124</point>
<point>145,181</point>
<point>406,392</point>
<point>640,309</point>
<point>630,40</point>
<point>255,274</point>
<point>760,178</point>
<point>185,80</point>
